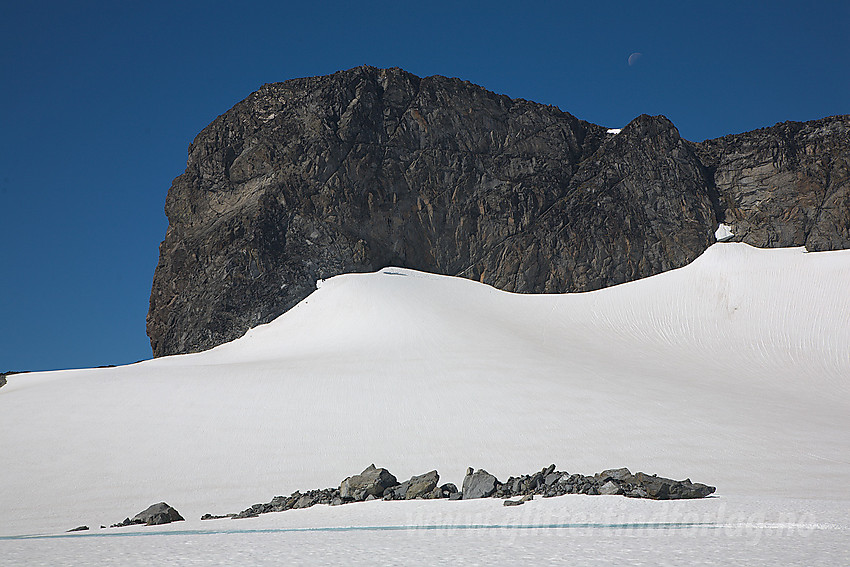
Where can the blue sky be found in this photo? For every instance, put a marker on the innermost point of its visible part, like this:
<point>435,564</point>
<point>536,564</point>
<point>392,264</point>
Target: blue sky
<point>101,99</point>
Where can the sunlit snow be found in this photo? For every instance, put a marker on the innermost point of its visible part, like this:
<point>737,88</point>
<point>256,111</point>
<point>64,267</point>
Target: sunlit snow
<point>733,371</point>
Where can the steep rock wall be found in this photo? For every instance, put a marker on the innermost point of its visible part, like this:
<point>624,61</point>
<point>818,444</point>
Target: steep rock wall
<point>369,167</point>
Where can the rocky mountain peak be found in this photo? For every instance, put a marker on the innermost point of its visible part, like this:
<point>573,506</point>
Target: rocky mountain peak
<point>368,168</point>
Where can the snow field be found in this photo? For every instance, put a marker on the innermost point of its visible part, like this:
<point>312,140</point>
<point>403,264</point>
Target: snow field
<point>733,371</point>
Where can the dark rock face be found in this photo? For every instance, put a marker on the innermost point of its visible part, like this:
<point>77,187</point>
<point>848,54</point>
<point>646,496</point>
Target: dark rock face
<point>787,185</point>
<point>368,168</point>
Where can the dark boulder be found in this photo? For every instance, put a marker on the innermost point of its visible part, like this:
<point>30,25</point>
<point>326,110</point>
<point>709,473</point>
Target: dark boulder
<point>154,515</point>
<point>371,482</point>
<point>78,528</point>
<point>620,475</point>
<point>479,484</point>
<point>157,514</point>
<point>660,488</point>
<point>422,486</point>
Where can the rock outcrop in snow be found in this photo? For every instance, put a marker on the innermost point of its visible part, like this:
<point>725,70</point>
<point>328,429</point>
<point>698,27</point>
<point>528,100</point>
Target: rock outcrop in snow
<point>154,515</point>
<point>368,168</point>
<point>374,483</point>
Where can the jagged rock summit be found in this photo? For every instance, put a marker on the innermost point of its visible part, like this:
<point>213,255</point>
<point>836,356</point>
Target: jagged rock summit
<point>369,168</point>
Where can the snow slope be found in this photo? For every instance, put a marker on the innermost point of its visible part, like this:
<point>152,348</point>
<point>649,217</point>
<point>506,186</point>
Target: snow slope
<point>733,371</point>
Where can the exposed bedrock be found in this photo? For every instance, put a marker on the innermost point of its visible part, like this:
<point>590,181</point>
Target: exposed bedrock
<point>368,168</point>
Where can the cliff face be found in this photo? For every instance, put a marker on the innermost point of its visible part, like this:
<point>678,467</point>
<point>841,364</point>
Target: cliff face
<point>787,185</point>
<point>369,168</point>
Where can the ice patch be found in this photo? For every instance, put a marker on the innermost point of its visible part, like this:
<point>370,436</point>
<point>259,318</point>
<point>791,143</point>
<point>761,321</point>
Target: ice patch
<point>723,232</point>
<point>614,130</point>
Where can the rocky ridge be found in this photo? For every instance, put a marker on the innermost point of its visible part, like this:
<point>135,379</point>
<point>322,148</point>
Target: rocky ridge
<point>378,483</point>
<point>369,168</point>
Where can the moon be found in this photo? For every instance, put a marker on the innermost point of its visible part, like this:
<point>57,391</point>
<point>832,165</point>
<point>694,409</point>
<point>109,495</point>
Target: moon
<point>633,58</point>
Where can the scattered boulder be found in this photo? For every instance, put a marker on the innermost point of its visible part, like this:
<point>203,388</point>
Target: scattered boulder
<point>371,482</point>
<point>214,517</point>
<point>519,502</point>
<point>78,528</point>
<point>154,515</point>
<point>479,484</point>
<point>329,496</point>
<point>422,486</point>
<point>157,514</point>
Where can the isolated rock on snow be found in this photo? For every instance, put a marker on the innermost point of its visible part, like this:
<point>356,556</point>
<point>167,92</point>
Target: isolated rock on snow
<point>371,482</point>
<point>478,484</point>
<point>154,515</point>
<point>157,514</point>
